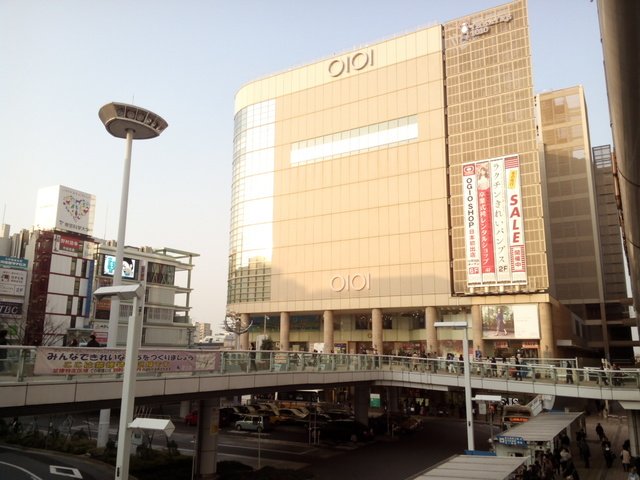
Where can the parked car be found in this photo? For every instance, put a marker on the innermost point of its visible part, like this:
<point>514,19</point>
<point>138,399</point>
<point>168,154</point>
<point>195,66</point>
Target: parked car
<point>290,416</point>
<point>345,431</point>
<point>254,423</point>
<point>191,418</point>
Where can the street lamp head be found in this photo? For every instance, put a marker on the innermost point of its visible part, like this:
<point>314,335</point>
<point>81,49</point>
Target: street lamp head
<point>124,292</point>
<point>118,118</point>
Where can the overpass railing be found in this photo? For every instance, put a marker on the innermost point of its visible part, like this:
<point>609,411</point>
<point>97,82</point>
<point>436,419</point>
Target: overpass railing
<point>32,364</point>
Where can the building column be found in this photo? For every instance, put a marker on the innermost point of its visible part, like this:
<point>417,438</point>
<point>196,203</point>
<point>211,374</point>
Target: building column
<point>430,319</point>
<point>633,421</point>
<point>476,328</point>
<point>244,338</point>
<point>327,317</point>
<point>376,329</point>
<point>207,447</point>
<point>392,399</point>
<point>285,325</point>
<point>185,408</point>
<point>547,342</point>
<point>361,404</point>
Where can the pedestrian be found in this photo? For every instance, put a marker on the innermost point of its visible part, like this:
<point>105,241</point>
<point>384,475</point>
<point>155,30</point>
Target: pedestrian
<point>625,456</point>
<point>252,359</point>
<point>585,451</point>
<point>3,351</point>
<point>494,366</point>
<point>92,341</point>
<point>607,452</point>
<point>569,374</point>
<point>600,431</point>
<point>73,343</point>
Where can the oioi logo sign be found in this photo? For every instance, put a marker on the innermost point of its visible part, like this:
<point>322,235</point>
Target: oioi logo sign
<point>355,62</point>
<point>356,281</point>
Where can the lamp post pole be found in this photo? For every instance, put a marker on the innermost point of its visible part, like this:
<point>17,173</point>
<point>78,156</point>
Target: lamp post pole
<point>129,122</point>
<point>467,377</point>
<point>467,390</point>
<point>134,335</point>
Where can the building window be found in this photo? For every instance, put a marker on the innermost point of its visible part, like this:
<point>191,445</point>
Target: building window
<point>355,140</point>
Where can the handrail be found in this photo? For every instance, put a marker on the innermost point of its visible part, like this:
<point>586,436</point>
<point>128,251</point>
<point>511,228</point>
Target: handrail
<point>18,366</point>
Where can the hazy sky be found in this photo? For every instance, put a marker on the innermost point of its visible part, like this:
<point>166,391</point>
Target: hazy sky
<point>61,60</point>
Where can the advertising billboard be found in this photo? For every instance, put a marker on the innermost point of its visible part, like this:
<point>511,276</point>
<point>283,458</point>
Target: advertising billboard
<point>129,267</point>
<point>67,245</point>
<point>510,321</point>
<point>14,262</point>
<point>63,208</point>
<point>494,226</point>
<point>12,281</point>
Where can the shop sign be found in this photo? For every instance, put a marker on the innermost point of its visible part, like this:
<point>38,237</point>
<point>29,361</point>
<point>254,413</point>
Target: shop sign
<point>14,262</point>
<point>10,308</point>
<point>354,62</point>
<point>356,281</point>
<point>512,441</point>
<point>470,30</point>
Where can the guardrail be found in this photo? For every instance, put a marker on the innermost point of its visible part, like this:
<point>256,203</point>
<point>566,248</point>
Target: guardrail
<point>21,365</point>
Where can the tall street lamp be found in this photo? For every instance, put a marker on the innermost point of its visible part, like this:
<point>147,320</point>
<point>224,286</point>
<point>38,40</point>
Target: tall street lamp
<point>134,335</point>
<point>129,122</point>
<point>467,377</point>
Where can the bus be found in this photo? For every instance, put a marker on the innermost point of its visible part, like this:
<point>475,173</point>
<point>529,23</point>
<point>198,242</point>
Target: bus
<point>515,414</point>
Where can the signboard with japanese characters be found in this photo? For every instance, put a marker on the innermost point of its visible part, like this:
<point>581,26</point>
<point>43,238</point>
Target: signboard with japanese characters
<point>14,262</point>
<point>63,208</point>
<point>12,281</point>
<point>494,226</point>
<point>80,360</point>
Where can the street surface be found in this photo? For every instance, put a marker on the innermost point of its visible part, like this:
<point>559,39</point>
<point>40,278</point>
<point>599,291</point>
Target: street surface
<point>284,447</point>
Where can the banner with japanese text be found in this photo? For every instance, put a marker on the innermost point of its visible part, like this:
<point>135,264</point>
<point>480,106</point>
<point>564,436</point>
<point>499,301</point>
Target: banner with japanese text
<point>494,226</point>
<point>80,360</point>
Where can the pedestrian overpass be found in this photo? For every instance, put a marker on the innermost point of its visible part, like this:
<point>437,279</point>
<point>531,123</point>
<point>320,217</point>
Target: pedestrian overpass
<point>47,380</point>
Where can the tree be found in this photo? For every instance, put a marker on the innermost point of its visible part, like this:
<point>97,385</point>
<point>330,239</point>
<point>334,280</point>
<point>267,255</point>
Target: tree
<point>19,328</point>
<point>267,344</point>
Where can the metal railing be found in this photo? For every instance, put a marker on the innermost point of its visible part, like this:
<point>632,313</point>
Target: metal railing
<point>18,366</point>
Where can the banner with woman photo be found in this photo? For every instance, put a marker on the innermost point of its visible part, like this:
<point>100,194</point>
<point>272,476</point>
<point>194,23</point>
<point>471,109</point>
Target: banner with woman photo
<point>510,321</point>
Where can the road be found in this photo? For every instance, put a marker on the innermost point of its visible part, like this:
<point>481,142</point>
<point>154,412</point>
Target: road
<point>18,464</point>
<point>285,447</point>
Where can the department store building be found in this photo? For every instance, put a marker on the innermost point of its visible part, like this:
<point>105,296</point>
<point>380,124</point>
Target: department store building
<point>401,184</point>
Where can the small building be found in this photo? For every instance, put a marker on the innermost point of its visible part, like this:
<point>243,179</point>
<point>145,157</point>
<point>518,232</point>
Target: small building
<point>463,467</point>
<point>539,434</point>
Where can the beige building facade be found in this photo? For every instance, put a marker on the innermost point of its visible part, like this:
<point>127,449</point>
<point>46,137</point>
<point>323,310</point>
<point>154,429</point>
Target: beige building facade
<point>388,188</point>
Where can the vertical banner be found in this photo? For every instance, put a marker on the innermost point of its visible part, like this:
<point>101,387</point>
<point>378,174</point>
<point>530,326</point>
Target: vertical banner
<point>501,246</point>
<point>485,214</point>
<point>516,224</point>
<point>472,245</point>
<point>494,227</point>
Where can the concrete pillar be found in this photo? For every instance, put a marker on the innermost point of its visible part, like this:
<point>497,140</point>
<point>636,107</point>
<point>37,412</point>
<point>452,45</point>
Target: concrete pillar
<point>207,444</point>
<point>328,331</point>
<point>476,329</point>
<point>547,342</point>
<point>633,421</point>
<point>185,408</point>
<point>392,399</point>
<point>430,319</point>
<point>361,404</point>
<point>376,329</point>
<point>285,325</point>
<point>244,338</point>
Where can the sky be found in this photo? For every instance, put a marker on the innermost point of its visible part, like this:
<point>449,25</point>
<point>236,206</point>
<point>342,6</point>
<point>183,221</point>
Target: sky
<point>60,61</point>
